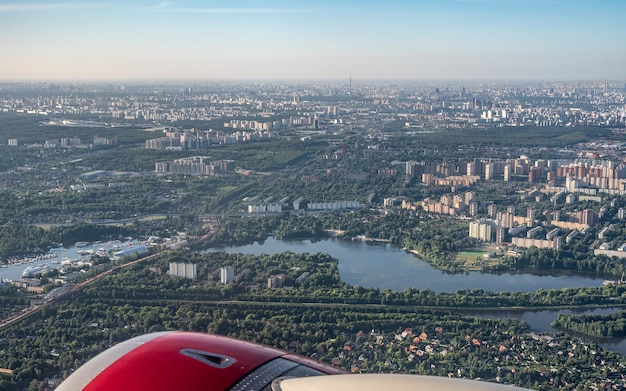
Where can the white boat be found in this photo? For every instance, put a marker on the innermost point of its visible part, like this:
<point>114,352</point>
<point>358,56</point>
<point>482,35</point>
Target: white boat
<point>34,271</point>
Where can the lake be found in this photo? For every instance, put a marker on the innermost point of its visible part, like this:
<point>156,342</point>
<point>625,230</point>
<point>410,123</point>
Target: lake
<point>389,267</point>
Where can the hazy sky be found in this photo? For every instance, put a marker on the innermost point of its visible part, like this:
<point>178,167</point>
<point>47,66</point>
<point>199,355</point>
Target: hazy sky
<point>313,39</point>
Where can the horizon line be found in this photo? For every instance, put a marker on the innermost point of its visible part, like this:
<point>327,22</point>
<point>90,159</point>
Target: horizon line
<point>347,77</point>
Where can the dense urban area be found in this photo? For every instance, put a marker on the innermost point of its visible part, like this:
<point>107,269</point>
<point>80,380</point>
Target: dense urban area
<point>118,200</point>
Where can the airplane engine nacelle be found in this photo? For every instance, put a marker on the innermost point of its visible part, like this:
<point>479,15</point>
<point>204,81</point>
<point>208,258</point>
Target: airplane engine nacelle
<point>189,361</point>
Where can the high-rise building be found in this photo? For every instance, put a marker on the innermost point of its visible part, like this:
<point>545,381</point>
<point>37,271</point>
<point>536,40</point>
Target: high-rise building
<point>485,232</point>
<point>489,171</point>
<point>533,174</point>
<point>473,208</point>
<point>482,230</point>
<point>227,274</point>
<point>589,217</point>
<point>410,168</point>
<point>500,234</point>
<point>471,168</point>
<point>187,270</point>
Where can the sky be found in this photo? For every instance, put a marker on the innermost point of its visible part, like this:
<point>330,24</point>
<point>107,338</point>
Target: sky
<point>313,39</point>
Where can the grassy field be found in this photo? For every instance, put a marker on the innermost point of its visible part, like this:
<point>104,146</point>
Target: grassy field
<point>473,259</point>
<point>471,254</point>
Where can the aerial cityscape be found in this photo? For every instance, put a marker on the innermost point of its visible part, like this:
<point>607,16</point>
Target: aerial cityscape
<point>408,187</point>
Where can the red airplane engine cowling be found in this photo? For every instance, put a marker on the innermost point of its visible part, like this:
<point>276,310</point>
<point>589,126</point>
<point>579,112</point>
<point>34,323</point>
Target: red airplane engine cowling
<point>190,361</point>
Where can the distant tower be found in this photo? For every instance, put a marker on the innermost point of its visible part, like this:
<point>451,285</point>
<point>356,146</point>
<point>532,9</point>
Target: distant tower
<point>351,84</point>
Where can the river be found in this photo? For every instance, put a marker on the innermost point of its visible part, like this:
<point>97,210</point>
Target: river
<point>389,267</point>
<point>540,321</point>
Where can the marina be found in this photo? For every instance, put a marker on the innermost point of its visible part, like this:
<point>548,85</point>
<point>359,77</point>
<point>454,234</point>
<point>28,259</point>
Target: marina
<point>31,258</point>
<point>62,258</point>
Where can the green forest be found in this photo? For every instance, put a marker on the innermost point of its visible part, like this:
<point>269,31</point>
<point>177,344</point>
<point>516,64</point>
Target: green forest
<point>609,326</point>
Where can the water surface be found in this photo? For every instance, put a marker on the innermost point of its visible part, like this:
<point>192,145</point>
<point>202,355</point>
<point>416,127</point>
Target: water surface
<point>389,267</point>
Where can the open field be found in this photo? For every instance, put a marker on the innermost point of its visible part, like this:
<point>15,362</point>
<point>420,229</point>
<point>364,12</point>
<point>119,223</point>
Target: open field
<point>473,258</point>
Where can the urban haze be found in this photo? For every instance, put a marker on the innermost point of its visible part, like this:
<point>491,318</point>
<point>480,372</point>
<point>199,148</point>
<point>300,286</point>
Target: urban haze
<point>434,188</point>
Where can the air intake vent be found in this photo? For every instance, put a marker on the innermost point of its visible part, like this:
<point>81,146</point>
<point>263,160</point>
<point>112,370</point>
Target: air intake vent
<point>212,359</point>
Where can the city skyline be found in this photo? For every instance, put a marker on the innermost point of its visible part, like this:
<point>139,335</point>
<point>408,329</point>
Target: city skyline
<point>309,40</point>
